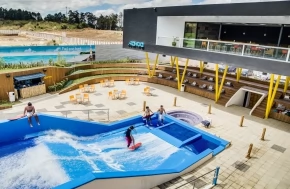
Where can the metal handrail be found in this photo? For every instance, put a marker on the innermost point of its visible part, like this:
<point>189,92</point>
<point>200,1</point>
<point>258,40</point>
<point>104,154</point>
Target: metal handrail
<point>107,109</point>
<point>216,41</point>
<point>196,178</point>
<point>244,45</point>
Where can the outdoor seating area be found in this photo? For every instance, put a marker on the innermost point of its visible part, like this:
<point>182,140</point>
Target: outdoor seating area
<point>132,81</point>
<point>87,88</point>
<point>107,83</point>
<point>147,91</point>
<point>79,98</point>
<point>116,94</point>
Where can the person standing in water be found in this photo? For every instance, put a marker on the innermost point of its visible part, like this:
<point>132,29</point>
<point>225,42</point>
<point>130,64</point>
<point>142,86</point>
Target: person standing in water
<point>161,112</point>
<point>147,115</point>
<point>29,111</point>
<point>129,136</point>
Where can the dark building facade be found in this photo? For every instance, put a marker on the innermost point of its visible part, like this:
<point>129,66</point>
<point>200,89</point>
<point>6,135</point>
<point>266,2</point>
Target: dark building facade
<point>248,35</point>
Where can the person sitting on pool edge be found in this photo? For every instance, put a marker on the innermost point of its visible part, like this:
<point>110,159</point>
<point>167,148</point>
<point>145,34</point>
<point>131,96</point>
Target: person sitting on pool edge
<point>29,111</point>
<point>129,136</point>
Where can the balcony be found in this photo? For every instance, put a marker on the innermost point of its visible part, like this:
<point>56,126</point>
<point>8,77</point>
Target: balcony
<point>225,47</point>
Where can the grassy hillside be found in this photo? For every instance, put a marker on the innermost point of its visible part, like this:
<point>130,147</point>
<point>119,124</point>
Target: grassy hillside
<point>36,26</point>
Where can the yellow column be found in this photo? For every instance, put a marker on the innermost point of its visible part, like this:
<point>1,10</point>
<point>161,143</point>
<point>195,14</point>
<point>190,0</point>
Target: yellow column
<point>156,61</point>
<point>201,66</point>
<point>222,83</point>
<point>177,72</point>
<point>172,60</point>
<point>273,96</point>
<point>183,75</point>
<point>148,63</point>
<point>216,81</point>
<point>239,72</point>
<point>269,95</point>
<point>286,84</point>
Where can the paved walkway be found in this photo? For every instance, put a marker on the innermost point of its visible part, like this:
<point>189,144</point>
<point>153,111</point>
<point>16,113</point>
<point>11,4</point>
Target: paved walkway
<point>268,168</point>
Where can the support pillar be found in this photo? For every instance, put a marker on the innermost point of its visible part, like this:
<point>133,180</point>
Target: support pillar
<point>183,75</point>
<point>201,66</point>
<point>269,95</point>
<point>172,60</point>
<point>148,63</point>
<point>286,84</point>
<point>273,96</point>
<point>216,81</point>
<point>222,83</point>
<point>156,62</point>
<point>239,72</point>
<point>177,72</point>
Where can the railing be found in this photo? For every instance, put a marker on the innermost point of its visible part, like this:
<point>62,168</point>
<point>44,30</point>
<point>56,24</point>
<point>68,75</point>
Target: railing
<point>207,179</point>
<point>102,115</point>
<point>87,114</point>
<point>224,47</point>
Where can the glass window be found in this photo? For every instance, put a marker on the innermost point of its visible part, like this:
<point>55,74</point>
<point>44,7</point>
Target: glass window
<point>189,33</point>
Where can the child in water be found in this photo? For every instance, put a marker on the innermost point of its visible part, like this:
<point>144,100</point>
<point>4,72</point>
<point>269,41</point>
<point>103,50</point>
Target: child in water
<point>129,136</point>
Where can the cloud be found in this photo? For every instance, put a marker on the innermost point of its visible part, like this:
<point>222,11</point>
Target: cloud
<point>105,12</point>
<point>114,6</point>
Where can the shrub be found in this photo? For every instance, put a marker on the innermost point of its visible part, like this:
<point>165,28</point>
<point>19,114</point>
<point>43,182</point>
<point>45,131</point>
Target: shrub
<point>58,86</point>
<point>63,27</point>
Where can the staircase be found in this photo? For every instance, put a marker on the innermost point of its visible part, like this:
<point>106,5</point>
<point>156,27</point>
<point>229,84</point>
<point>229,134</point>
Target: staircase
<point>224,98</point>
<point>261,109</point>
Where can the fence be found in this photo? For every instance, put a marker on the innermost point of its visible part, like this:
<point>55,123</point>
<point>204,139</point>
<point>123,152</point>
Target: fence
<point>101,115</point>
<point>61,38</point>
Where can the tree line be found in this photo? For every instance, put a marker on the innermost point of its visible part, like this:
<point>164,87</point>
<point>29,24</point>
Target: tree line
<point>82,19</point>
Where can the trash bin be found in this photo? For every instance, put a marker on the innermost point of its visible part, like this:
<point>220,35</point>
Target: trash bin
<point>182,87</point>
<point>11,96</point>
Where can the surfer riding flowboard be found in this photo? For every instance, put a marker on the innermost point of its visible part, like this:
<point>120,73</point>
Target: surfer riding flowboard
<point>130,139</point>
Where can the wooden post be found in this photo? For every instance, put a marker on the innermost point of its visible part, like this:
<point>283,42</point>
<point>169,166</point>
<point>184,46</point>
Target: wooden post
<point>174,103</point>
<point>144,105</point>
<point>209,109</point>
<point>263,134</point>
<point>242,121</point>
<point>249,151</point>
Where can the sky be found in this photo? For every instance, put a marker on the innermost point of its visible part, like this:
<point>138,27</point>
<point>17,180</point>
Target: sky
<point>104,7</point>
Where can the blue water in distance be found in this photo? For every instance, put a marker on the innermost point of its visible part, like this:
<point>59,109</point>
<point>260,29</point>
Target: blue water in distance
<point>178,132</point>
<point>28,54</point>
<point>36,58</point>
<point>32,49</point>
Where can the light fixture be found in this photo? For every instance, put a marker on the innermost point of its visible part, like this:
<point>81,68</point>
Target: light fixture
<point>44,70</point>
<point>155,9</point>
<point>288,36</point>
<point>265,34</point>
<point>8,75</point>
<point>225,31</point>
<point>244,33</point>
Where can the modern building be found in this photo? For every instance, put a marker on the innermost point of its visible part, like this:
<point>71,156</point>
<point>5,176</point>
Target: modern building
<point>254,36</point>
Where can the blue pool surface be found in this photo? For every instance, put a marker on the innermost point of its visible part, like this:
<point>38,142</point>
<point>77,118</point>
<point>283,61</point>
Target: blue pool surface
<point>65,153</point>
<point>178,132</point>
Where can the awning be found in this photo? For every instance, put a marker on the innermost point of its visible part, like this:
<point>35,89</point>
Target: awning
<point>27,77</point>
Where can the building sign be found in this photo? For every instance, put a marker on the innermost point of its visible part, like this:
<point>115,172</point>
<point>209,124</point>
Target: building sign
<point>136,44</point>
